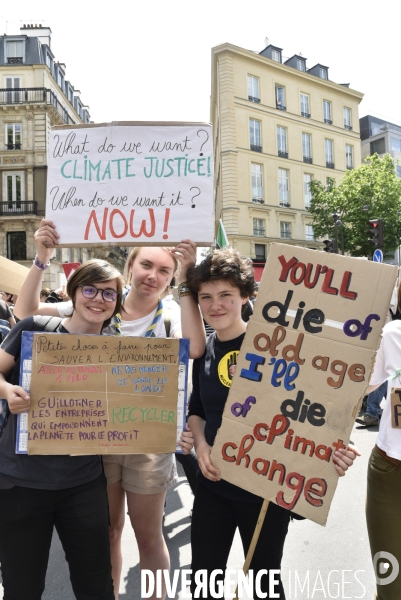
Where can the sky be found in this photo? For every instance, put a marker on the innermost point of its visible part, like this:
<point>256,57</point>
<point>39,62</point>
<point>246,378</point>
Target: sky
<point>151,60</point>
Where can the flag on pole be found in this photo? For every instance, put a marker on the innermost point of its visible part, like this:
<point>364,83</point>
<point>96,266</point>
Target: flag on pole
<point>221,240</point>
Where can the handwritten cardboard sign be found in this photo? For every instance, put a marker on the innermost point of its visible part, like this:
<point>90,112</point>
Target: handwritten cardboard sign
<point>103,394</point>
<point>302,371</point>
<point>396,408</point>
<point>131,183</point>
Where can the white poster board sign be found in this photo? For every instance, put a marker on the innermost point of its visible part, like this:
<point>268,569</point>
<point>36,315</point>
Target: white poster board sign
<point>131,183</point>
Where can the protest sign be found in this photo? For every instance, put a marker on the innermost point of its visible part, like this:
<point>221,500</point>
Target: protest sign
<point>12,275</point>
<point>131,183</point>
<point>102,394</point>
<point>301,375</point>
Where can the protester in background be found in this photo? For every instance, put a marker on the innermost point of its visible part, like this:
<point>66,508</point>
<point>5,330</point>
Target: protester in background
<point>140,479</point>
<point>10,300</point>
<point>44,293</point>
<point>6,314</point>
<point>38,493</point>
<point>383,513</point>
<point>222,284</point>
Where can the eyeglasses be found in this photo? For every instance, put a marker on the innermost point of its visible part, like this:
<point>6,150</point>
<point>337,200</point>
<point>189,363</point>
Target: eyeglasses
<point>90,291</point>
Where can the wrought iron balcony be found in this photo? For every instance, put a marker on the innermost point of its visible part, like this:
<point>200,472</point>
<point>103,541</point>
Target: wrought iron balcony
<point>328,121</point>
<point>305,114</point>
<point>308,159</point>
<point>254,99</point>
<point>13,146</point>
<point>285,203</point>
<point>280,106</point>
<point>257,200</point>
<point>350,167</point>
<point>329,165</point>
<point>29,207</point>
<point>286,235</point>
<point>258,231</point>
<point>349,127</point>
<point>15,60</point>
<point>256,148</point>
<point>282,154</point>
<point>35,96</point>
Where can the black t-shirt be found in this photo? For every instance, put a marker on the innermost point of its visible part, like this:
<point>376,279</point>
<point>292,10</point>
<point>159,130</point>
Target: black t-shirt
<point>5,312</point>
<point>212,376</point>
<point>42,472</point>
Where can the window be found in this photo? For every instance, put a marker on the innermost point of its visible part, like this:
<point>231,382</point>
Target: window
<point>282,142</point>
<point>377,146</point>
<point>328,149</point>
<point>257,183</point>
<point>307,193</point>
<point>398,170</point>
<point>307,147</point>
<point>375,128</point>
<point>327,112</point>
<point>13,83</point>
<point>309,233</point>
<point>16,245</point>
<point>13,189</point>
<point>259,227</point>
<point>283,187</point>
<point>15,51</point>
<point>305,106</point>
<point>276,55</point>
<point>280,97</point>
<point>254,134</point>
<point>395,144</point>
<point>300,64</point>
<point>253,89</point>
<point>13,136</point>
<point>322,73</point>
<point>347,118</point>
<point>285,230</point>
<point>260,251</point>
<point>349,160</point>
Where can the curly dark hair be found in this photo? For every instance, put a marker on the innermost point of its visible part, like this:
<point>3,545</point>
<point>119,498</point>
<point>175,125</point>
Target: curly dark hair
<point>226,264</point>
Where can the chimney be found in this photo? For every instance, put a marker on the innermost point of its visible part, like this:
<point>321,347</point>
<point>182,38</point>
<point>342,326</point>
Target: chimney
<point>43,34</point>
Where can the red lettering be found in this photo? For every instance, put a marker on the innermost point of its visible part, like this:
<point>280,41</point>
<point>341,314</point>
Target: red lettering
<point>93,217</point>
<point>224,451</point>
<point>345,285</point>
<point>260,470</point>
<point>256,431</point>
<point>308,283</point>
<point>310,489</point>
<point>283,424</point>
<point>243,450</point>
<point>326,287</point>
<point>287,266</point>
<point>142,230</point>
<point>112,230</point>
<point>293,275</point>
<point>300,479</point>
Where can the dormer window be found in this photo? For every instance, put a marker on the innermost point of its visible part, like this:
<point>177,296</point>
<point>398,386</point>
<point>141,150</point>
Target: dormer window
<point>322,73</point>
<point>301,65</point>
<point>15,51</point>
<point>276,55</point>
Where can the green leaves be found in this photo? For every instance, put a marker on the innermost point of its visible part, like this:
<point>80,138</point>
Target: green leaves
<point>372,191</point>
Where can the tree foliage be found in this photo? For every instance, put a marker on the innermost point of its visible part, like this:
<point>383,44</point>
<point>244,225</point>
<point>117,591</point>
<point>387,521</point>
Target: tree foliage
<point>372,191</point>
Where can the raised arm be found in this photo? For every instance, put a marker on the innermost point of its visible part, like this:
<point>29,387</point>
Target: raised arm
<point>191,319</point>
<point>28,302</point>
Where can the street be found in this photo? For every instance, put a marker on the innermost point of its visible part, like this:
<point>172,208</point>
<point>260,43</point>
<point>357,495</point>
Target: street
<point>329,562</point>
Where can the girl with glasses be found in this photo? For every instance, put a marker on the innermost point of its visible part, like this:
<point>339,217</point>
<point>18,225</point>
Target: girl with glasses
<point>38,493</point>
<point>140,480</point>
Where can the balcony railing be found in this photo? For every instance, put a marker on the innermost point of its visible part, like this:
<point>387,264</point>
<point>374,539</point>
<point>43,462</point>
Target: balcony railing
<point>308,159</point>
<point>256,148</point>
<point>329,165</point>
<point>305,114</point>
<point>328,121</point>
<point>254,99</point>
<point>13,146</point>
<point>35,96</point>
<point>349,127</point>
<point>258,231</point>
<point>286,235</point>
<point>280,106</point>
<point>282,154</point>
<point>15,60</point>
<point>285,203</point>
<point>257,200</point>
<point>29,207</point>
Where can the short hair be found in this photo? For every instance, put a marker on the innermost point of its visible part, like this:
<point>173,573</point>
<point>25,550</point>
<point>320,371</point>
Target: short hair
<point>45,292</point>
<point>132,256</point>
<point>227,265</point>
<point>96,271</point>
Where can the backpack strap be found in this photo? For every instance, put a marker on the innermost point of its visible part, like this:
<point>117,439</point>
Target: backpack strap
<point>167,321</point>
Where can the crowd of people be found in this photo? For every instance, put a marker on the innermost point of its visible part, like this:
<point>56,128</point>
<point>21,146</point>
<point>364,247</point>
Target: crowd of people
<point>85,498</point>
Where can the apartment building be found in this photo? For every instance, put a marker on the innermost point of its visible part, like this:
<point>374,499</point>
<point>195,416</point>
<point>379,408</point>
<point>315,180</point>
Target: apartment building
<point>35,94</point>
<point>382,137</point>
<point>277,125</point>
